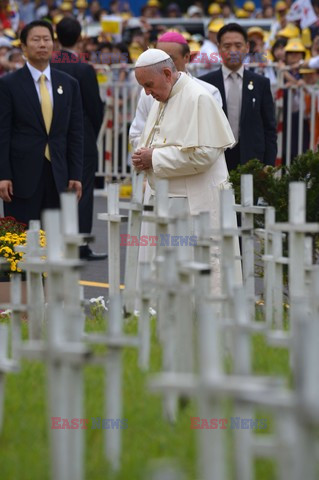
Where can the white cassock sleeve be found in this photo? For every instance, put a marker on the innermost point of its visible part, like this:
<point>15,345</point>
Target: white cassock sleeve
<point>142,110</point>
<point>171,161</point>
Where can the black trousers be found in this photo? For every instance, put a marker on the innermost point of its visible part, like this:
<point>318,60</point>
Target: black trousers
<point>86,201</point>
<point>45,196</point>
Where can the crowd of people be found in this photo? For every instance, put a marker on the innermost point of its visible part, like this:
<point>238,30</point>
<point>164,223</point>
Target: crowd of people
<point>237,68</point>
<point>137,34</point>
<point>282,43</point>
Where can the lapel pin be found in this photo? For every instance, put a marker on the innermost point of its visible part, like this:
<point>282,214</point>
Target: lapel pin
<point>60,90</point>
<point>251,86</point>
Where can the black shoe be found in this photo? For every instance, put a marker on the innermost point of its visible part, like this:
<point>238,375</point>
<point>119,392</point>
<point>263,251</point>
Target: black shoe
<point>87,254</point>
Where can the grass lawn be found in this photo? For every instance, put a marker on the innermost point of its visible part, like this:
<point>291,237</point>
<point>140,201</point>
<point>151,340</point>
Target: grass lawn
<point>24,451</point>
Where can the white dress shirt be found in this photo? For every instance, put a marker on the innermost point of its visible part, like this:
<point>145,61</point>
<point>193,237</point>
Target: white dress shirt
<point>227,81</point>
<point>36,74</point>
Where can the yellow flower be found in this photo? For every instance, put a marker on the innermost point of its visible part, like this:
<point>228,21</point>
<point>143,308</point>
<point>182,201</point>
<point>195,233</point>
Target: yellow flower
<point>9,241</point>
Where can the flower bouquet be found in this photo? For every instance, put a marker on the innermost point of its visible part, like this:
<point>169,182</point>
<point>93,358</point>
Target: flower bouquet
<point>12,234</point>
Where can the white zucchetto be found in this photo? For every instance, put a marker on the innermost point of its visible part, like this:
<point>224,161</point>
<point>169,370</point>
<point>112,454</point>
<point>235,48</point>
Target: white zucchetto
<point>152,56</point>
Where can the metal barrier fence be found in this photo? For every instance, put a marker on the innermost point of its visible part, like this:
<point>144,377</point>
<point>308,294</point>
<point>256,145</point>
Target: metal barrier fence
<point>297,116</point>
<point>120,99</point>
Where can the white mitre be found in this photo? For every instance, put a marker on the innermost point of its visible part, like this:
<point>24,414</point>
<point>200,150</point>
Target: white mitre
<point>152,56</point>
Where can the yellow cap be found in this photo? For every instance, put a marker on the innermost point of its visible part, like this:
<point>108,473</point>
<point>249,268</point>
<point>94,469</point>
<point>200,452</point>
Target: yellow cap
<point>269,56</point>
<point>255,30</point>
<point>66,7</point>
<point>57,18</point>
<point>249,6</point>
<point>304,71</point>
<point>241,13</point>
<point>290,31</point>
<point>194,46</point>
<point>280,6</point>
<point>153,3</point>
<point>266,36</point>
<point>186,35</point>
<point>81,4</point>
<point>135,51</point>
<point>216,25</point>
<point>126,15</point>
<point>16,43</point>
<point>214,9</point>
<point>306,37</point>
<point>12,7</point>
<point>295,45</point>
<point>308,54</point>
<point>9,33</point>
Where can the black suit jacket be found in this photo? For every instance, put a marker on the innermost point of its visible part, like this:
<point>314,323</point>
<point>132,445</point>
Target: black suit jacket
<point>23,135</point>
<point>92,104</point>
<point>258,135</point>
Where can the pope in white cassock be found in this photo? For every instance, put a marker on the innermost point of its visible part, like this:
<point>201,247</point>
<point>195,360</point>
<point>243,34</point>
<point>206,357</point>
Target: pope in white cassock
<point>184,138</point>
<point>175,45</point>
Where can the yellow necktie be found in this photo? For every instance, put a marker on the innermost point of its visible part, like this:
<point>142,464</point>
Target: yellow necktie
<point>47,111</point>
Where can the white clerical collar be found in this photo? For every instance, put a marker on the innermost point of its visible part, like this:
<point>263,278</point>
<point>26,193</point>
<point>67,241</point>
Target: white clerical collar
<point>226,71</point>
<point>36,74</point>
<point>178,85</point>
<point>179,77</point>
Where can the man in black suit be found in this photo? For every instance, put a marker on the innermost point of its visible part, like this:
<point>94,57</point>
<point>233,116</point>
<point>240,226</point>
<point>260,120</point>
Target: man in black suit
<point>68,60</point>
<point>247,101</point>
<point>41,130</point>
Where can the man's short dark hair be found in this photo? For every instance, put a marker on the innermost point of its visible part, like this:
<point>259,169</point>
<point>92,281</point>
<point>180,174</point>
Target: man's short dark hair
<point>68,31</point>
<point>231,27</point>
<point>185,49</point>
<point>36,23</point>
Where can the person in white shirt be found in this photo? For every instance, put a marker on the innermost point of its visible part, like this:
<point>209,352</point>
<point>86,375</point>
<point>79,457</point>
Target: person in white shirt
<point>209,55</point>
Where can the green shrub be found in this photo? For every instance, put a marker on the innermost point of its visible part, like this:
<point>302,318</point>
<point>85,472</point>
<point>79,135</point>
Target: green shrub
<point>272,183</point>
